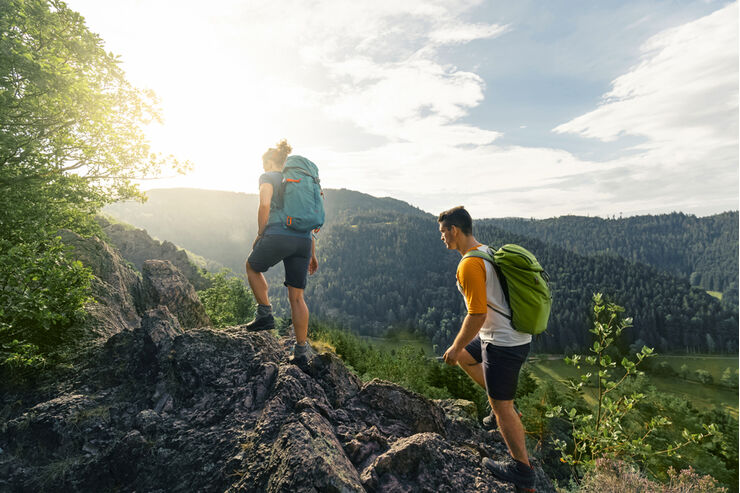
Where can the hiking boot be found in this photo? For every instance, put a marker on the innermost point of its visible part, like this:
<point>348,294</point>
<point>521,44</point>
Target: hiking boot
<point>302,354</point>
<point>515,472</point>
<point>489,422</point>
<point>265,322</point>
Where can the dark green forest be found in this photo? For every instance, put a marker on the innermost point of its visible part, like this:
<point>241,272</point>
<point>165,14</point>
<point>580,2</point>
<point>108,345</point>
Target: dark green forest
<point>702,250</point>
<point>379,270</point>
<point>382,265</point>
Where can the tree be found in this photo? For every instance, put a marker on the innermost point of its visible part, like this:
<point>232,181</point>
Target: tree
<point>71,126</point>
<point>71,140</point>
<point>227,301</point>
<point>704,377</point>
<point>729,379</point>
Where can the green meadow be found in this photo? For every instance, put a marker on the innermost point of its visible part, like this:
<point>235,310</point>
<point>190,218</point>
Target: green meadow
<point>552,367</point>
<point>702,396</point>
<point>396,339</point>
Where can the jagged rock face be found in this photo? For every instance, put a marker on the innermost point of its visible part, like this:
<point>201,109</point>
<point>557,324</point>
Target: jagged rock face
<point>162,409</point>
<point>164,284</point>
<point>116,288</point>
<point>136,246</point>
<point>122,298</point>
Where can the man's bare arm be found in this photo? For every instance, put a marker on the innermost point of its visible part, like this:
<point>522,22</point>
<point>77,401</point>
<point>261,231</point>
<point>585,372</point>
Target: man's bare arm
<point>470,328</point>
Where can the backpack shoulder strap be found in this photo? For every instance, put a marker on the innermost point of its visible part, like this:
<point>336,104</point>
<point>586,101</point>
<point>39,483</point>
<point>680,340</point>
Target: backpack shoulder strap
<point>488,255</point>
<point>479,254</point>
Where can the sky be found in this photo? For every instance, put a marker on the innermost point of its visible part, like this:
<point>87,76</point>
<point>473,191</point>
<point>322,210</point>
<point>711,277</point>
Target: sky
<point>527,109</point>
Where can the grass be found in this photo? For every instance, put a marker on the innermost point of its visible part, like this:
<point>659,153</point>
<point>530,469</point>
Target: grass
<point>716,294</point>
<point>715,365</point>
<point>701,396</point>
<point>546,367</point>
<point>399,338</point>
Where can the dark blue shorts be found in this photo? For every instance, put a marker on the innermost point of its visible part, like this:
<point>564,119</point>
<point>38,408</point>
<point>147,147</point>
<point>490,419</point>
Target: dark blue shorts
<point>501,366</point>
<point>294,251</point>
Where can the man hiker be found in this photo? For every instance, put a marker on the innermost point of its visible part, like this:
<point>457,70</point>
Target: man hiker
<point>275,242</point>
<point>487,337</point>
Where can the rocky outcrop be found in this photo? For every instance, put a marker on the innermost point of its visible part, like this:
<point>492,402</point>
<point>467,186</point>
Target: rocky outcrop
<point>163,284</point>
<point>158,408</point>
<point>122,297</point>
<point>115,286</point>
<point>136,246</point>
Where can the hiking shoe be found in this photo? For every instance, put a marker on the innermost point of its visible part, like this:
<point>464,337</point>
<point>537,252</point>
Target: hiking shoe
<point>489,422</point>
<point>302,354</point>
<point>515,472</point>
<point>266,322</point>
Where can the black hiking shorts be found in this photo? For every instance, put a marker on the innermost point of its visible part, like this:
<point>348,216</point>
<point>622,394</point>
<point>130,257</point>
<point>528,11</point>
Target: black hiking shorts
<point>501,366</point>
<point>294,251</point>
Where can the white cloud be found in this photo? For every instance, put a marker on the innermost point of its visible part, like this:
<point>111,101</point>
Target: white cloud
<point>682,100</point>
<point>682,96</point>
<point>464,33</point>
<point>362,89</point>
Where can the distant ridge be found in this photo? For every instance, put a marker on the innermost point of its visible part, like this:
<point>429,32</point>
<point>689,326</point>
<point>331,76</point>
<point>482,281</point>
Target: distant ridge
<point>381,265</point>
<point>221,225</point>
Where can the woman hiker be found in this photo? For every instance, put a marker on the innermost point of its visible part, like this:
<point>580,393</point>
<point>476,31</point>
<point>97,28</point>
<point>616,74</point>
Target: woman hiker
<point>274,243</point>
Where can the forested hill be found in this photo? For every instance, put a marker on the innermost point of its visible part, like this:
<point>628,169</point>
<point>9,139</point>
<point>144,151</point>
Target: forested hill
<point>382,264</point>
<point>378,270</point>
<point>222,225</point>
<point>703,250</point>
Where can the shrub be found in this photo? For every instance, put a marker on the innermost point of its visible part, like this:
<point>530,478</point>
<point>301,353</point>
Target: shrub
<point>729,378</point>
<point>704,377</point>
<point>42,295</point>
<point>603,432</point>
<point>407,366</point>
<point>609,476</point>
<point>228,301</point>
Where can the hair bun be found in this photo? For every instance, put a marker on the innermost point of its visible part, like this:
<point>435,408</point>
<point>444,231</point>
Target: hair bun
<point>283,149</point>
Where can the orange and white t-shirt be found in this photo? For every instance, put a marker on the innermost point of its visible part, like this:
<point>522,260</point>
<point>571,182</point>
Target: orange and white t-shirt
<point>479,285</point>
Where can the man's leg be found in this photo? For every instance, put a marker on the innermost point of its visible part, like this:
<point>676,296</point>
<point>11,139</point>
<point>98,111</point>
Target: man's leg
<point>470,362</point>
<point>299,314</point>
<point>472,367</point>
<point>511,429</point>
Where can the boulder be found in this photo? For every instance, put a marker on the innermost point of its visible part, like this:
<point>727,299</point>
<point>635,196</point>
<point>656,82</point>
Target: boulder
<point>164,284</point>
<point>116,287</point>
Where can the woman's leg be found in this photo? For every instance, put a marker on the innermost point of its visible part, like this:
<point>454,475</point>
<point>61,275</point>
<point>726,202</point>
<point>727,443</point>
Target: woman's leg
<point>299,314</point>
<point>258,283</point>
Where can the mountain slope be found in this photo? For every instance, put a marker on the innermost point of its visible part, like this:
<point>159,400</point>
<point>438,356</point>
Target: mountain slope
<point>703,250</point>
<point>222,225</point>
<point>380,271</point>
<point>382,265</point>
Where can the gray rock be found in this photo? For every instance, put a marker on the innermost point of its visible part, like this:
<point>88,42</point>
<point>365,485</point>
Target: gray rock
<point>161,409</point>
<point>116,288</point>
<point>163,284</point>
<point>136,246</point>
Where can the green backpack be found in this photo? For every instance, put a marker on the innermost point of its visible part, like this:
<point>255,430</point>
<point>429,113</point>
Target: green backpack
<point>525,286</point>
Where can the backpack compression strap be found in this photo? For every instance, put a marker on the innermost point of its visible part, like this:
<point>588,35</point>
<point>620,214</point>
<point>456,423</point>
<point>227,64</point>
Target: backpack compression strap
<point>499,274</point>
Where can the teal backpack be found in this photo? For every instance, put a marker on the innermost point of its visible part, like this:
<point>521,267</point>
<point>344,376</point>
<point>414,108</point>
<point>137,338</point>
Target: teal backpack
<point>525,285</point>
<point>301,207</point>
